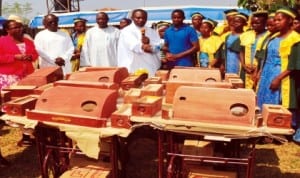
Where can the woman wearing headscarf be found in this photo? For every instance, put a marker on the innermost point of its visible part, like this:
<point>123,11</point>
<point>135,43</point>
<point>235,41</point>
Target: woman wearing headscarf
<point>247,48</point>
<point>161,27</point>
<point>278,76</point>
<point>261,43</point>
<point>229,52</point>
<point>209,44</point>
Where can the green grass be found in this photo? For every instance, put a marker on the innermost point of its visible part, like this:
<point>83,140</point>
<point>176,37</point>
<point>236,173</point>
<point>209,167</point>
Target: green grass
<point>272,160</point>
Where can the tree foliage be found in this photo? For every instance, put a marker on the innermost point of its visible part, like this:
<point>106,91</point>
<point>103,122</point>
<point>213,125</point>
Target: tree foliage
<point>20,9</point>
<point>268,4</point>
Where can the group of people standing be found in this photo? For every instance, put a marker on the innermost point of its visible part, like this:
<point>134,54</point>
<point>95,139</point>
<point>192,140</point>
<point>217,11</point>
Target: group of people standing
<point>266,56</point>
<point>262,49</point>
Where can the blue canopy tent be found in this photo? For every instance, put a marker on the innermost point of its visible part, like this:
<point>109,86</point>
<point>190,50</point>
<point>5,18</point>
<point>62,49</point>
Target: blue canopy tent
<point>66,19</point>
<point>155,14</point>
<point>2,20</point>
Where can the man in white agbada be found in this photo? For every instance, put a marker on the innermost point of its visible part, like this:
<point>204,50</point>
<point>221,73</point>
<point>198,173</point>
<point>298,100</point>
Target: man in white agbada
<point>54,46</point>
<point>138,46</point>
<point>100,45</point>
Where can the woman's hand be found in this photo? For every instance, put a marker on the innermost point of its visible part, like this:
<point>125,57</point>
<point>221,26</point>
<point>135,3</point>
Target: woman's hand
<point>23,57</point>
<point>249,69</point>
<point>275,84</point>
<point>76,54</point>
<point>27,57</point>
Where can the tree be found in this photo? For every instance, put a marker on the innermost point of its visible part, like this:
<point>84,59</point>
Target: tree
<point>22,10</point>
<point>27,9</point>
<point>267,4</point>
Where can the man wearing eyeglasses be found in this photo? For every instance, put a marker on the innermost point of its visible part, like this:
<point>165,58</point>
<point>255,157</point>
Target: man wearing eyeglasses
<point>54,46</point>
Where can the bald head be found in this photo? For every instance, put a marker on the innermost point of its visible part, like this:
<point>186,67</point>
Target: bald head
<point>50,22</point>
<point>139,17</point>
<point>102,19</point>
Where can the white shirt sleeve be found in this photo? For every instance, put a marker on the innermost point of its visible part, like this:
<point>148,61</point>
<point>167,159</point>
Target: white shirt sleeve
<point>41,47</point>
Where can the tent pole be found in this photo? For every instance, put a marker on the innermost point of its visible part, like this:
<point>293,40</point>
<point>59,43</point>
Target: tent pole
<point>0,7</point>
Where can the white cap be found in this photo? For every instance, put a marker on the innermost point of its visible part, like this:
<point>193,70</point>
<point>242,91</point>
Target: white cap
<point>16,18</point>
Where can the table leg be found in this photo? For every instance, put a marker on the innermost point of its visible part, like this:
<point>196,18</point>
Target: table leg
<point>114,156</point>
<point>160,152</point>
<point>40,149</point>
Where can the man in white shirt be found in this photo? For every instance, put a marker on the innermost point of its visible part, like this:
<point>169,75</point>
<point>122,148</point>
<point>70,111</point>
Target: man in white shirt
<point>54,46</point>
<point>138,46</point>
<point>100,46</point>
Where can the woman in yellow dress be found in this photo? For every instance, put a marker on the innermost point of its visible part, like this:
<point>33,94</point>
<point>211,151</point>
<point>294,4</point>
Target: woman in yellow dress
<point>78,38</point>
<point>279,80</point>
<point>209,44</point>
<point>261,45</point>
<point>247,47</point>
<point>230,53</point>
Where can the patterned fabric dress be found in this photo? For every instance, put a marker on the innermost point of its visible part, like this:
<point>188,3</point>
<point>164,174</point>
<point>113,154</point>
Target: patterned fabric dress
<point>271,69</point>
<point>8,79</point>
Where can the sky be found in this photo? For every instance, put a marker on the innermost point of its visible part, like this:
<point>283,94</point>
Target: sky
<point>40,6</point>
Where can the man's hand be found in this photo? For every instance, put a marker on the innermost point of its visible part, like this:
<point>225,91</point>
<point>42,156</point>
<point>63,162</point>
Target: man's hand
<point>147,48</point>
<point>60,61</point>
<point>171,57</point>
<point>145,40</point>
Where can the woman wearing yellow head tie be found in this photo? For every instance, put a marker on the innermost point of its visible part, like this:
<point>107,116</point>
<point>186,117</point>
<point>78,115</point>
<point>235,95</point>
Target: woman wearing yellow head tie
<point>261,45</point>
<point>197,19</point>
<point>78,37</point>
<point>225,27</point>
<point>277,81</point>
<point>247,47</point>
<point>229,49</point>
<point>209,44</point>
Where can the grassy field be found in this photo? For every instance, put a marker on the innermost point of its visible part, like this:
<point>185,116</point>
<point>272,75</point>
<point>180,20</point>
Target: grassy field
<point>272,160</point>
